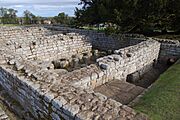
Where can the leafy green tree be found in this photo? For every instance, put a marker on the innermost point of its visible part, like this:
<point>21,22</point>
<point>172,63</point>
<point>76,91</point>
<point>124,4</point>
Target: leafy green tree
<point>86,3</point>
<point>64,19</point>
<point>29,18</point>
<point>61,18</point>
<point>131,15</point>
<point>8,16</point>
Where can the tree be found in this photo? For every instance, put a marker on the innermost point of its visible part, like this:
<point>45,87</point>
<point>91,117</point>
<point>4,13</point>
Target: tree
<point>85,2</point>
<point>3,11</point>
<point>8,16</point>
<point>64,19</point>
<point>29,18</point>
<point>131,15</point>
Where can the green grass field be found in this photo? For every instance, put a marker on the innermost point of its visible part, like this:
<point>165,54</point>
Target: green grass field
<point>172,37</point>
<point>9,25</point>
<point>162,101</point>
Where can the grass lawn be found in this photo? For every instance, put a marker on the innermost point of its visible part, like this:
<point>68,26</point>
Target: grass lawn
<point>9,25</point>
<point>162,101</point>
<point>173,37</point>
<point>93,28</point>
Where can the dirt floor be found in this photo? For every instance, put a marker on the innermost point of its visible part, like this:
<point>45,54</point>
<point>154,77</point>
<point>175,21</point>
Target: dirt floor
<point>120,91</point>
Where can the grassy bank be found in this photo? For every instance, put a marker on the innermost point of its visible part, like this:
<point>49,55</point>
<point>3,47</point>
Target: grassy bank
<point>162,101</point>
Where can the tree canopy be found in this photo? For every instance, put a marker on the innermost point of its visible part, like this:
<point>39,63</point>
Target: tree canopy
<point>8,15</point>
<point>63,19</point>
<point>29,18</point>
<point>131,15</point>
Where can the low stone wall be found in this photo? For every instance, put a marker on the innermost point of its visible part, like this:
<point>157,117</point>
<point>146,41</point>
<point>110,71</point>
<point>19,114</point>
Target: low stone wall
<point>45,93</point>
<point>14,33</point>
<point>27,74</point>
<point>169,49</point>
<point>26,40</point>
<point>52,99</point>
<point>102,41</point>
<point>44,44</point>
<point>130,59</point>
<point>32,43</point>
<point>117,66</point>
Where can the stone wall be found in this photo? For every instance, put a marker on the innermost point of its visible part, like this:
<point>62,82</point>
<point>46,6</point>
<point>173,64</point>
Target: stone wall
<point>46,97</point>
<point>169,49</point>
<point>117,66</point>
<point>44,44</point>
<point>30,35</point>
<point>33,43</point>
<point>130,59</point>
<point>13,33</point>
<point>102,41</point>
<point>51,94</point>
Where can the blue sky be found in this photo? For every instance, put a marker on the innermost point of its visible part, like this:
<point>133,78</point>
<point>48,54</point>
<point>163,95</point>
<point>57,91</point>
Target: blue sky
<point>43,8</point>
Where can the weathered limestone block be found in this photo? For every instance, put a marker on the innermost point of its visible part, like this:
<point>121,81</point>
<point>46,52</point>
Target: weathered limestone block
<point>55,116</point>
<point>60,71</point>
<point>85,115</point>
<point>12,62</point>
<point>59,102</point>
<point>71,109</point>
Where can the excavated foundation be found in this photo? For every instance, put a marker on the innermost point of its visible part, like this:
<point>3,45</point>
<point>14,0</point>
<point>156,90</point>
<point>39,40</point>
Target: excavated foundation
<point>77,62</point>
<point>64,73</point>
<point>127,91</point>
<point>147,78</point>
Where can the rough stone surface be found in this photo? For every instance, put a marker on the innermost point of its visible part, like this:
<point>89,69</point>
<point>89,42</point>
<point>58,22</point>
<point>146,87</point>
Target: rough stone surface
<point>120,91</point>
<point>29,77</point>
<point>3,115</point>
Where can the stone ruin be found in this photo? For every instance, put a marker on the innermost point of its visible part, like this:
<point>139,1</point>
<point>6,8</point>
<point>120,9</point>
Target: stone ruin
<point>54,72</point>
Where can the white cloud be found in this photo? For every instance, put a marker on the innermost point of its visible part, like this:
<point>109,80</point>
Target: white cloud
<point>42,7</point>
<point>18,6</point>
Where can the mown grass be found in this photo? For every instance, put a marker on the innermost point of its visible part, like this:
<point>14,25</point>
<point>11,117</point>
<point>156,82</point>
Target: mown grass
<point>162,101</point>
<point>94,28</point>
<point>172,37</point>
<point>9,25</point>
